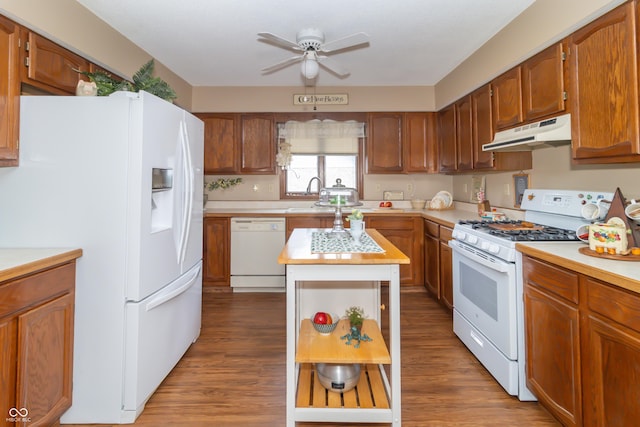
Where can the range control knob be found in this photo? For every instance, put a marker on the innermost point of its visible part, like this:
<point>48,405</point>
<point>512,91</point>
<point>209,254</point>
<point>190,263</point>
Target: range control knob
<point>494,249</point>
<point>484,246</point>
<point>473,239</point>
<point>459,235</point>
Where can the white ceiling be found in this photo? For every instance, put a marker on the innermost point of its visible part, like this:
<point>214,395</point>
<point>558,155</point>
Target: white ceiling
<point>215,42</point>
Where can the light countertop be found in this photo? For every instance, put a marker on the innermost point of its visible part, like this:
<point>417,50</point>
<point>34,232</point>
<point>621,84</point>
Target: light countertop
<point>297,250</point>
<point>625,274</point>
<point>447,218</point>
<point>16,262</point>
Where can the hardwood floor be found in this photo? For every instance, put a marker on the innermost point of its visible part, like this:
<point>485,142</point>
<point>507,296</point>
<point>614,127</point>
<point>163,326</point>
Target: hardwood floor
<point>234,375</point>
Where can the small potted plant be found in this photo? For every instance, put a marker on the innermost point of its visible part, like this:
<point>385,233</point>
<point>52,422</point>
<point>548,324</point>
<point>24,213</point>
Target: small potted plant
<point>356,224</point>
<point>355,314</point>
<point>355,215</point>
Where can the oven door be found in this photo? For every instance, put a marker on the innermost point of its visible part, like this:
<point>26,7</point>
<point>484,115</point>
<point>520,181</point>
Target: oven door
<point>484,293</point>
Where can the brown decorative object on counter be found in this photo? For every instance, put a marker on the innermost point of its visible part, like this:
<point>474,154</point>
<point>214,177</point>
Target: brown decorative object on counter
<point>484,206</point>
<point>618,205</point>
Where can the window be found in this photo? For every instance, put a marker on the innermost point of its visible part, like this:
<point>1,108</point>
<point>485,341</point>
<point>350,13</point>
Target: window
<point>326,149</point>
<point>327,168</point>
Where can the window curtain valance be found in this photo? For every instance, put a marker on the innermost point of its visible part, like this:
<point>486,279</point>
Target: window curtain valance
<point>317,137</point>
<point>322,136</point>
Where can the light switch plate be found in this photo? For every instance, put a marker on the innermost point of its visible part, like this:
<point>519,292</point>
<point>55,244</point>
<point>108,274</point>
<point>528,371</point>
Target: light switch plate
<point>393,195</point>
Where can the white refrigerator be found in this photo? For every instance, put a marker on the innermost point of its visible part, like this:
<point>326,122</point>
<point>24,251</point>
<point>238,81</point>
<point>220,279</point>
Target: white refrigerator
<point>120,177</point>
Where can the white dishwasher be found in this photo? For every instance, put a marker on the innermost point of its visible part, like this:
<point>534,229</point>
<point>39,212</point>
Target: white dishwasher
<point>255,246</point>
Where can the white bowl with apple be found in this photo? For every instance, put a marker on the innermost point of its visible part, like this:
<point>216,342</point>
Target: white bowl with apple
<point>324,322</point>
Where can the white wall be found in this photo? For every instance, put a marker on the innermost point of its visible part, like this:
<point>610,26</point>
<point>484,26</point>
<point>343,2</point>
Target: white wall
<point>267,186</point>
<point>542,24</point>
<point>71,25</point>
<point>546,21</point>
<point>552,168</point>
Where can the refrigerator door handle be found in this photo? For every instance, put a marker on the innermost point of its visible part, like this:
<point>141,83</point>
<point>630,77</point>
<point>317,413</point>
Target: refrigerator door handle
<point>187,170</point>
<point>162,298</point>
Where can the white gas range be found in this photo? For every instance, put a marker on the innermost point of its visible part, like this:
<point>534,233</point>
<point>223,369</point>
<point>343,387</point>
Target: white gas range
<point>488,314</point>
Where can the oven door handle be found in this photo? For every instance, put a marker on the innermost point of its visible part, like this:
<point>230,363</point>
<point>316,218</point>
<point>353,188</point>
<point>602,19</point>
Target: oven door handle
<point>480,257</point>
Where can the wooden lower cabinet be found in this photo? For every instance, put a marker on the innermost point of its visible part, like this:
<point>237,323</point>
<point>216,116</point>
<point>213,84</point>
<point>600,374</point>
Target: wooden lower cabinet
<point>309,221</point>
<point>216,251</point>
<point>583,346</point>
<point>446,268</point>
<point>406,233</point>
<point>403,232</point>
<point>611,361</point>
<point>438,263</point>
<point>36,346</point>
<point>432,258</point>
<point>553,363</point>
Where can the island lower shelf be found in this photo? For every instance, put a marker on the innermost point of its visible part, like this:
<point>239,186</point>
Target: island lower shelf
<point>314,347</point>
<point>369,393</point>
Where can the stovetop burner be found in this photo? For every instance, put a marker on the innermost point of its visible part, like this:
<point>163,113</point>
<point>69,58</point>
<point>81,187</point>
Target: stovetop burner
<point>520,230</point>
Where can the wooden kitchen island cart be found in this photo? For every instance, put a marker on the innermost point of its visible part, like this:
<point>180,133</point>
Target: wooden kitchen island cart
<point>331,282</point>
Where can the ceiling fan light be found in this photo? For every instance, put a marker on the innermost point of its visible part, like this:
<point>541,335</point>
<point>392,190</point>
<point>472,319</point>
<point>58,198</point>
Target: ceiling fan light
<point>310,68</point>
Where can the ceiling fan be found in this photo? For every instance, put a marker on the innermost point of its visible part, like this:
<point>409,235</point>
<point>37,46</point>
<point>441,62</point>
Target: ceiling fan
<point>310,42</point>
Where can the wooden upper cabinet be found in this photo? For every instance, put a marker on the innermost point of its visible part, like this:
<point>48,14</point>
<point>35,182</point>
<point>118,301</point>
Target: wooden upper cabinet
<point>9,91</point>
<point>447,138</point>
<point>464,137</point>
<point>420,142</point>
<point>239,143</point>
<point>221,143</point>
<point>507,99</point>
<point>257,144</point>
<point>482,121</point>
<point>543,83</point>
<point>49,66</point>
<point>483,132</point>
<point>604,88</point>
<point>384,144</point>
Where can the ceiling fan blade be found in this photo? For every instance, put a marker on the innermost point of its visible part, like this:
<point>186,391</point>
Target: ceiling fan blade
<point>283,64</point>
<point>345,42</point>
<point>333,66</point>
<point>277,40</point>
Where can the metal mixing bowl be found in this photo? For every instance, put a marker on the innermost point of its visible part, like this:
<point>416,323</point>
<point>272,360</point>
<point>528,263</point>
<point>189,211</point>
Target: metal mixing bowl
<point>338,377</point>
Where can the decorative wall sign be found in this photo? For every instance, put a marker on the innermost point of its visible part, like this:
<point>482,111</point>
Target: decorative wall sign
<point>520,183</point>
<point>320,99</point>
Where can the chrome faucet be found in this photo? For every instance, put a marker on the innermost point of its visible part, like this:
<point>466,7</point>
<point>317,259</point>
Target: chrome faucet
<point>311,181</point>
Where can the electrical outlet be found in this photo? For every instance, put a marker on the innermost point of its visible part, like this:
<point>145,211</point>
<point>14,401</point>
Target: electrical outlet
<point>409,188</point>
<point>466,188</point>
<point>507,190</point>
<point>378,188</point>
<point>270,188</point>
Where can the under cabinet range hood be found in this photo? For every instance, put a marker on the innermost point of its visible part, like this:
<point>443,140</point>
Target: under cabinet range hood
<point>545,133</point>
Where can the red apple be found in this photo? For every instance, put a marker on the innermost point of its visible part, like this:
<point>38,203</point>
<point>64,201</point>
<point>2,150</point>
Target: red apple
<point>388,204</point>
<point>381,204</point>
<point>321,318</point>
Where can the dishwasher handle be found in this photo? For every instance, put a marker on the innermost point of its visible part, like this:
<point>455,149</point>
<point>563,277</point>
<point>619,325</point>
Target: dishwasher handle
<point>257,224</point>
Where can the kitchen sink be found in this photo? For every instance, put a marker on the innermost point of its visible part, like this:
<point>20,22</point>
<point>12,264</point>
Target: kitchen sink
<point>324,209</point>
<point>310,209</point>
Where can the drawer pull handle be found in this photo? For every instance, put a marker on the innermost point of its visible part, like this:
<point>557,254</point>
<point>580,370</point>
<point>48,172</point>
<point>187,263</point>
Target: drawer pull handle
<point>477,339</point>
